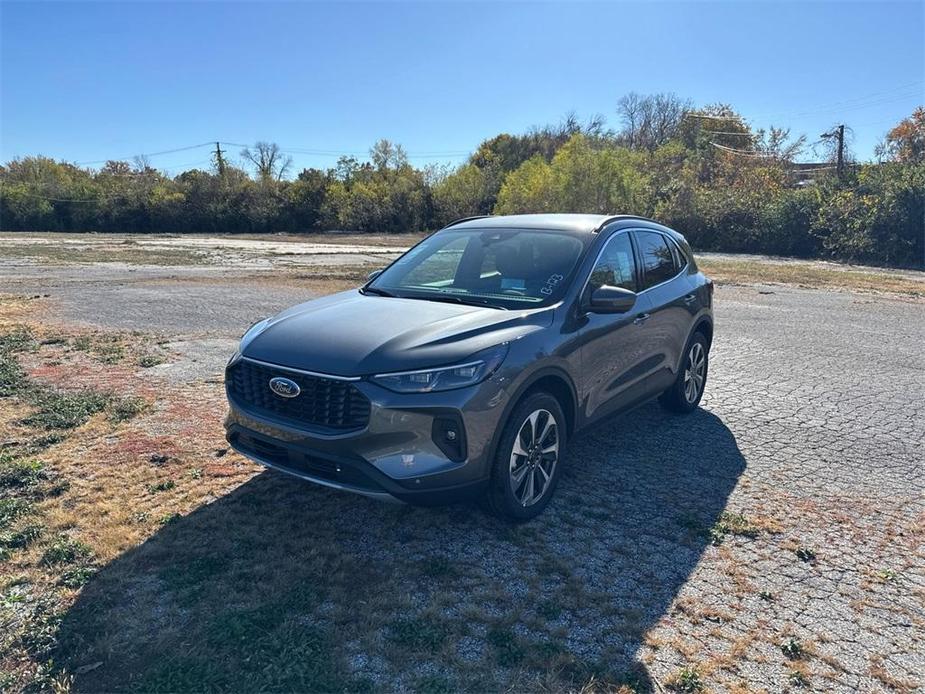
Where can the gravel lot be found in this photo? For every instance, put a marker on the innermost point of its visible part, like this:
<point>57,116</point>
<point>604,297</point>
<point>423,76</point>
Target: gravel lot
<point>812,428</point>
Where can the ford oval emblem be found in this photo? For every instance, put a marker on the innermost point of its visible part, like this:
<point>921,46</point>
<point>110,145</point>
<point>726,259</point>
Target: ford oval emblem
<point>284,387</point>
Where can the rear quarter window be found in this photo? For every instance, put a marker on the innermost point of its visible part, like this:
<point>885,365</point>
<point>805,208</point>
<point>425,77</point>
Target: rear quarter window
<point>659,261</point>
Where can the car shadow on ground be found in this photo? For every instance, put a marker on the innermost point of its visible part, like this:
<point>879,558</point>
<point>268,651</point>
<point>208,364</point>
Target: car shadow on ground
<point>281,585</point>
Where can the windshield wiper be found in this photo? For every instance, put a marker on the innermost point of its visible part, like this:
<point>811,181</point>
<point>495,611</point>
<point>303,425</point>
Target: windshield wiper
<point>453,299</point>
<point>376,291</point>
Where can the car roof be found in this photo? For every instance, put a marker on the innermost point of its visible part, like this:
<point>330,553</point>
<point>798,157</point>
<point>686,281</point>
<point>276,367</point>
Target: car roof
<point>582,223</point>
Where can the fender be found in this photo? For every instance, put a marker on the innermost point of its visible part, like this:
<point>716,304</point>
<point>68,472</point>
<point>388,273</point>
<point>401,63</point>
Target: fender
<point>512,402</point>
<point>703,320</point>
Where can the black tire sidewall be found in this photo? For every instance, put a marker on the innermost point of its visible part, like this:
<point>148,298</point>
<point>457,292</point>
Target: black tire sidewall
<point>501,496</point>
<point>675,399</point>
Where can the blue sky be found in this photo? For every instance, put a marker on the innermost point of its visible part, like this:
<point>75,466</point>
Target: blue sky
<point>89,81</point>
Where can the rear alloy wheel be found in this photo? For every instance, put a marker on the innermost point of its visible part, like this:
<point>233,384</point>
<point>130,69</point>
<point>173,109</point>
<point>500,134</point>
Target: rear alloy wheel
<point>695,372</point>
<point>684,395</point>
<point>526,467</point>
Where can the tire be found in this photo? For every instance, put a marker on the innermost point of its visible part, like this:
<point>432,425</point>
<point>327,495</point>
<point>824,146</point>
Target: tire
<point>685,393</point>
<point>508,494</point>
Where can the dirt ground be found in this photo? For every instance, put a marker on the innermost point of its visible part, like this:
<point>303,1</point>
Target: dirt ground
<point>774,540</point>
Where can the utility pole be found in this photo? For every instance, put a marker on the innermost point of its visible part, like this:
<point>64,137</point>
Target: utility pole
<point>219,160</point>
<point>841,149</point>
<point>838,134</point>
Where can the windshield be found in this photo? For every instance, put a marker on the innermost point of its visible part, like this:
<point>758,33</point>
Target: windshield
<point>501,268</point>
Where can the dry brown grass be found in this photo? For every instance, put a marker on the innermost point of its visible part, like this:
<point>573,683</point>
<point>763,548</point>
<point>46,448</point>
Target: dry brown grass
<point>809,275</point>
<point>129,254</point>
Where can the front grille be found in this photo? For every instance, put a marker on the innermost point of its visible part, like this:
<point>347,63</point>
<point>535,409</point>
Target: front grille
<point>322,402</point>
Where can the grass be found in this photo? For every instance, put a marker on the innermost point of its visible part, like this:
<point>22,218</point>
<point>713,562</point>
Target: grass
<point>66,550</point>
<point>63,410</point>
<point>732,524</point>
<point>66,249</point>
<point>125,409</point>
<point>809,275</point>
<point>21,474</point>
<point>202,577</point>
<point>506,647</point>
<point>687,680</point>
<point>164,486</point>
<point>421,634</point>
<point>129,254</point>
<point>792,649</point>
<point>149,360</point>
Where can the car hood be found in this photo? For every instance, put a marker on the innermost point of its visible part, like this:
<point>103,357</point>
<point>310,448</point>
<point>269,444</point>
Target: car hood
<point>352,334</point>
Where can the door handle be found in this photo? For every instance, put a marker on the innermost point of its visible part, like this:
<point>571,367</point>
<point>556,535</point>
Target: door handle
<point>690,298</point>
<point>641,318</point>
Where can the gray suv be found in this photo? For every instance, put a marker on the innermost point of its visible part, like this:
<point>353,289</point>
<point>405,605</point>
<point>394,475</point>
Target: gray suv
<point>464,367</point>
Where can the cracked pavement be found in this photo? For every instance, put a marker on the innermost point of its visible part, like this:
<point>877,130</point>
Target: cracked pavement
<point>811,428</point>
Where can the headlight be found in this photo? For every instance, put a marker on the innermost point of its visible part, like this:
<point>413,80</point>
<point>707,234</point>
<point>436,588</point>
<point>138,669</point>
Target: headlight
<point>473,370</point>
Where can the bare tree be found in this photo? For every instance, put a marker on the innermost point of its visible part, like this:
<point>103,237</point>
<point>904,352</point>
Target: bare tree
<point>827,146</point>
<point>650,120</point>
<point>387,155</point>
<point>268,161</point>
<point>776,142</point>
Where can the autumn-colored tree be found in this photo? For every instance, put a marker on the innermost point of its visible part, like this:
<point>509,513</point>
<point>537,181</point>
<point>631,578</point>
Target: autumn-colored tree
<point>906,142</point>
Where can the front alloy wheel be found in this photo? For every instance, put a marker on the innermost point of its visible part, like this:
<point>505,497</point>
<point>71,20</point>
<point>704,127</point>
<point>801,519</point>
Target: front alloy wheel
<point>534,457</point>
<point>526,466</point>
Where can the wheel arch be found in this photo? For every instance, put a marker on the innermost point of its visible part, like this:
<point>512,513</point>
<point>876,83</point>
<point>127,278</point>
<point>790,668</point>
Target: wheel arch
<point>551,380</point>
<point>703,325</point>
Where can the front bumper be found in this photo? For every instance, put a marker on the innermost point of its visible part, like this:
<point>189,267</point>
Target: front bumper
<point>400,453</point>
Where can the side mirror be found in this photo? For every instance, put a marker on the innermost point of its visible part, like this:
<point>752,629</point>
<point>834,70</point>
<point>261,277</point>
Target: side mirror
<point>373,275</point>
<point>607,299</point>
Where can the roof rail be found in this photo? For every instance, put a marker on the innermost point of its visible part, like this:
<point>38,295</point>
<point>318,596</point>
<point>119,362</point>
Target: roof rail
<point>618,217</point>
<point>465,219</point>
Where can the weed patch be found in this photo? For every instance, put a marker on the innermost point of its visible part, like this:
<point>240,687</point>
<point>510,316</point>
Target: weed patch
<point>792,649</point>
<point>12,377</point>
<point>505,646</point>
<point>21,538</point>
<point>66,550</point>
<point>76,577</point>
<point>21,474</point>
<point>149,360</point>
<point>57,410</point>
<point>164,486</point>
<point>686,680</point>
<point>11,509</point>
<point>732,524</point>
<point>126,408</point>
<point>18,340</point>
<point>425,634</point>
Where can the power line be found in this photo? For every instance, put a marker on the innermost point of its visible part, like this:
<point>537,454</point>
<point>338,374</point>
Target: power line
<point>354,153</point>
<point>742,152</point>
<point>693,114</point>
<point>908,89</point>
<point>150,154</point>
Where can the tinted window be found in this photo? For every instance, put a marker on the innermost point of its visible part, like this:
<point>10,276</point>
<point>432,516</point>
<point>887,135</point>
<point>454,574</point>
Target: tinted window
<point>681,258</point>
<point>658,261</point>
<point>615,266</point>
<point>509,268</point>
